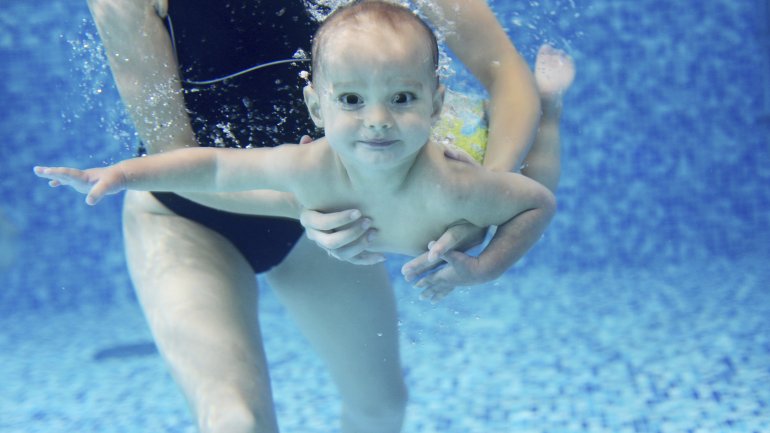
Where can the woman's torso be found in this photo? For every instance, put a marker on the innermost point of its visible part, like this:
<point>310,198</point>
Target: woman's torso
<point>216,38</point>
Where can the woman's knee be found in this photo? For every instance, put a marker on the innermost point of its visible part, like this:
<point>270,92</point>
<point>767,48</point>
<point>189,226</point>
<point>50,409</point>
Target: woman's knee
<point>235,415</point>
<point>385,414</point>
<point>229,420</point>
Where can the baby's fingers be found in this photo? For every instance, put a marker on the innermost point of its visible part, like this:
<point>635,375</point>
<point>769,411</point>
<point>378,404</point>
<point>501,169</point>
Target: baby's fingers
<point>97,193</point>
<point>81,181</point>
<point>49,172</point>
<point>436,292</point>
<point>45,173</point>
<point>61,175</point>
<point>436,249</point>
<point>436,286</point>
<point>39,171</point>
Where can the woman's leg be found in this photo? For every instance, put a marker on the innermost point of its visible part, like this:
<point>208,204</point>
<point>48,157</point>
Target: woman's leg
<point>554,72</point>
<point>199,296</point>
<point>348,313</point>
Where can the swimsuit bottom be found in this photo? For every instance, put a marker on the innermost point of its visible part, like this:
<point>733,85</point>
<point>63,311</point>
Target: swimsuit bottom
<point>263,241</point>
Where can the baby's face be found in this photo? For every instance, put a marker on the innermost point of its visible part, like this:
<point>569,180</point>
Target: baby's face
<point>378,93</point>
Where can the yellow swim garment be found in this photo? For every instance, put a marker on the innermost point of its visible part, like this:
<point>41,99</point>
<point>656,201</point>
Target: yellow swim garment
<point>463,124</point>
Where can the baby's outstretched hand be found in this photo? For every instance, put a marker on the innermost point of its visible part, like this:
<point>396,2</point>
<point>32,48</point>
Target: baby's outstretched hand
<point>95,182</point>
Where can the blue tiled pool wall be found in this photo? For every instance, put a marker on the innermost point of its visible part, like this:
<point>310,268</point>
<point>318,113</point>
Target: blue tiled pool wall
<point>664,159</point>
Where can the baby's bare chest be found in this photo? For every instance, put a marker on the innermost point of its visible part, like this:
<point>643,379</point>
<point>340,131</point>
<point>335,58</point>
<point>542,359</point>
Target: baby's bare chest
<point>405,222</point>
<point>407,229</point>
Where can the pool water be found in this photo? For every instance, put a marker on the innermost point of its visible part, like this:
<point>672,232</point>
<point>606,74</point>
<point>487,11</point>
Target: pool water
<point>645,308</point>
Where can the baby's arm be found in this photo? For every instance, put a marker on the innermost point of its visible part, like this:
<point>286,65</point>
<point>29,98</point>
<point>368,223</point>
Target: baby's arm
<point>513,239</point>
<point>197,169</point>
<point>519,206</point>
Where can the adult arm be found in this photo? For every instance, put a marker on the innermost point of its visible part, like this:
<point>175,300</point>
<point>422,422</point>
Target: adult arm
<point>145,70</point>
<point>475,36</point>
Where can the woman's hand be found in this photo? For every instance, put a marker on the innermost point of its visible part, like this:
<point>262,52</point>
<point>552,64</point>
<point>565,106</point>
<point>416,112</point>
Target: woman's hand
<point>344,235</point>
<point>452,152</point>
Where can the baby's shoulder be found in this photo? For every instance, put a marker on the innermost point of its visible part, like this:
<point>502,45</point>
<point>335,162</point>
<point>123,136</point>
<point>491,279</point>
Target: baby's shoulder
<point>448,183</point>
<point>311,165</point>
<point>306,159</point>
<point>467,185</point>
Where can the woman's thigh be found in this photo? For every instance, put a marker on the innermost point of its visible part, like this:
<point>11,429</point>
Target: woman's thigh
<point>348,313</point>
<point>199,296</point>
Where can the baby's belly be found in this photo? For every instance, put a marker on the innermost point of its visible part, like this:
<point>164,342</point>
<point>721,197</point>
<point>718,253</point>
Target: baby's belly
<point>402,227</point>
<point>405,237</point>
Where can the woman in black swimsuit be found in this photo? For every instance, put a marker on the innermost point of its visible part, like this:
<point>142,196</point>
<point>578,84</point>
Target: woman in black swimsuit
<point>261,107</point>
<point>193,266</point>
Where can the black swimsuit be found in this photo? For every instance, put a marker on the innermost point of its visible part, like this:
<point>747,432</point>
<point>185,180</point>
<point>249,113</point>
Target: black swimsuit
<point>214,39</point>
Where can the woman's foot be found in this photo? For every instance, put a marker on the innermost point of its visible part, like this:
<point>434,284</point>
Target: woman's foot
<point>554,73</point>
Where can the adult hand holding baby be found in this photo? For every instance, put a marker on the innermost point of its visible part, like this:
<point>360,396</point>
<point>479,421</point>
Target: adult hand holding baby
<point>346,236</point>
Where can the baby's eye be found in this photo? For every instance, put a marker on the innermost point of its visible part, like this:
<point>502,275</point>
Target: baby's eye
<point>350,99</point>
<point>403,98</point>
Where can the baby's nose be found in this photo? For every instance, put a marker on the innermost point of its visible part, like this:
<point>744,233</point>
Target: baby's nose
<point>378,117</point>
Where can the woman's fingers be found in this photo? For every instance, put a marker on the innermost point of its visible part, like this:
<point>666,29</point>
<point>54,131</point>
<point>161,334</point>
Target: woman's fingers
<point>366,258</point>
<point>350,245</point>
<point>452,152</point>
<point>344,235</point>
<point>319,221</point>
<point>337,239</point>
<point>345,244</point>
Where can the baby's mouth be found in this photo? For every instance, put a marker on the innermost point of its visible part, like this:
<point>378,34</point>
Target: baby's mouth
<point>378,142</point>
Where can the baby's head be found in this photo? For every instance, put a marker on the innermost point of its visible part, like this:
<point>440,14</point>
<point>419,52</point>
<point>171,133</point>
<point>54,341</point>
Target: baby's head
<point>375,88</point>
<point>386,23</point>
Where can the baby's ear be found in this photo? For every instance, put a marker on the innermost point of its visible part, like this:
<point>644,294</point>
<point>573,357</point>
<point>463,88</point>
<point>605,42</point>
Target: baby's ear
<point>313,103</point>
<point>438,102</point>
<point>161,7</point>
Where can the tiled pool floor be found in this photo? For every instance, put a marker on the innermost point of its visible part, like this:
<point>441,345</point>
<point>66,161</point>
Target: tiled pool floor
<point>682,349</point>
